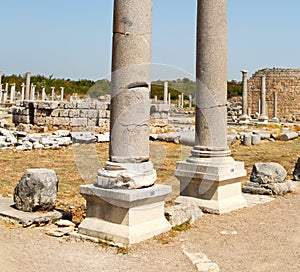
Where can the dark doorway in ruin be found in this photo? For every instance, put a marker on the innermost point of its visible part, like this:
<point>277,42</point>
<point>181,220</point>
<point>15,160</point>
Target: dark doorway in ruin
<point>31,113</point>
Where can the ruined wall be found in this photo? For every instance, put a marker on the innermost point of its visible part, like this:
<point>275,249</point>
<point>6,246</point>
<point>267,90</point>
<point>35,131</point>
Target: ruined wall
<point>76,115</point>
<point>286,83</point>
<point>91,115</point>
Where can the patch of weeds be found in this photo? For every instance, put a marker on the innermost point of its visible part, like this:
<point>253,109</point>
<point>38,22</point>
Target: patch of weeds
<point>183,227</point>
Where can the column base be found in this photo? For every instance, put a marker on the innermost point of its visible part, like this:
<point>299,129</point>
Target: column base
<point>263,119</point>
<point>124,216</point>
<point>244,119</point>
<point>274,120</point>
<point>213,184</point>
<point>126,175</point>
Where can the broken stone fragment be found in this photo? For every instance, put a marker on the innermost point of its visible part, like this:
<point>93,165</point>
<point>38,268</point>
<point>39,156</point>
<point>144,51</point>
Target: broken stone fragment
<point>296,172</point>
<point>36,191</point>
<point>264,173</point>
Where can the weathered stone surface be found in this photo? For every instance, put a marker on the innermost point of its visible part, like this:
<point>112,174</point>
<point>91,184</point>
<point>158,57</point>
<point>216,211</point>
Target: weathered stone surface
<point>255,139</point>
<point>83,137</point>
<point>246,139</point>
<point>36,191</point>
<point>102,137</point>
<point>290,135</point>
<point>26,219</point>
<point>296,172</point>
<point>78,122</point>
<point>62,133</point>
<point>264,173</point>
<point>181,213</point>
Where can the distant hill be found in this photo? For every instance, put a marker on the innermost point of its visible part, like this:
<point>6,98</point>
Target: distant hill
<point>103,86</point>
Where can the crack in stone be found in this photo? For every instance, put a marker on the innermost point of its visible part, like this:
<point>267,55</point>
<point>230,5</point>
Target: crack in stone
<point>213,107</point>
<point>133,34</point>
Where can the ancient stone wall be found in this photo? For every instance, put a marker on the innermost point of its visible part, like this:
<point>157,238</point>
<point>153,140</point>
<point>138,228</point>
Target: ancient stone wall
<point>286,83</point>
<point>77,115</point>
<point>80,115</point>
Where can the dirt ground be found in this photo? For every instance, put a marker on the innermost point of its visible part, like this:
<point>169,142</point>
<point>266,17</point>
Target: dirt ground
<point>263,238</point>
<point>267,239</point>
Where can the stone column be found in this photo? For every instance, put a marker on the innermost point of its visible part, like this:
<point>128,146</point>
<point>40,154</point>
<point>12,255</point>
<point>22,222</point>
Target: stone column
<point>128,216</point>
<point>52,93</point>
<point>43,93</point>
<point>179,101</point>
<point>245,118</point>
<point>275,118</point>
<point>166,90</point>
<point>23,91</point>
<point>12,93</point>
<point>155,99</point>
<point>62,89</point>
<point>169,98</point>
<point>190,101</point>
<point>182,100</point>
<point>5,93</point>
<point>32,92</point>
<point>1,92</point>
<point>27,91</point>
<point>263,117</point>
<point>210,178</point>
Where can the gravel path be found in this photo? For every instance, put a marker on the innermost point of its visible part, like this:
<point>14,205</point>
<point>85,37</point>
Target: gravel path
<point>261,238</point>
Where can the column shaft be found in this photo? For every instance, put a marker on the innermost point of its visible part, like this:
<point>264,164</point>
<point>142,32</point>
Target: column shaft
<point>245,92</point>
<point>263,96</point>
<point>211,72</point>
<point>131,77</point>
<point>27,90</point>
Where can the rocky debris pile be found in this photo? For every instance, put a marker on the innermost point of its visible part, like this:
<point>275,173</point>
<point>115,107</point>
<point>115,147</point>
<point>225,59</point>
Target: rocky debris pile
<point>234,110</point>
<point>60,138</point>
<point>296,172</point>
<point>268,179</point>
<point>36,191</point>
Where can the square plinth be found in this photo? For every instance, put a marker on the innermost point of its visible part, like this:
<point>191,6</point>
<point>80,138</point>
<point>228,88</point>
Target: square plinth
<point>214,185</point>
<point>124,216</point>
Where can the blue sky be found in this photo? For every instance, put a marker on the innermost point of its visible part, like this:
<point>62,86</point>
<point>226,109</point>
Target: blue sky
<point>72,38</point>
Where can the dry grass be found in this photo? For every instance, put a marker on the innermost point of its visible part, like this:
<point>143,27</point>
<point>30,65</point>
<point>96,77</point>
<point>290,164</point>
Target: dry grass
<point>78,165</point>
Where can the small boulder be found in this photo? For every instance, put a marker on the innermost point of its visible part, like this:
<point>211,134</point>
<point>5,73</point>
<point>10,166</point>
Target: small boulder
<point>36,191</point>
<point>264,173</point>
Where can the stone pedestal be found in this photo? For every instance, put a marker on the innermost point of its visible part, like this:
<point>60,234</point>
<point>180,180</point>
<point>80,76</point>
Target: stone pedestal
<point>213,184</point>
<point>124,216</point>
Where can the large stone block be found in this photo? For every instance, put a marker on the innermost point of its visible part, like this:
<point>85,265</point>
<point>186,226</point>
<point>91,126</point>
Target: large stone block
<point>74,113</point>
<point>213,184</point>
<point>36,191</point>
<point>124,216</point>
<point>47,105</point>
<point>78,122</point>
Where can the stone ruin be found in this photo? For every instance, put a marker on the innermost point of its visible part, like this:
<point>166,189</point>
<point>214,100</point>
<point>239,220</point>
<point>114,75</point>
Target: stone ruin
<point>125,205</point>
<point>90,115</point>
<point>282,85</point>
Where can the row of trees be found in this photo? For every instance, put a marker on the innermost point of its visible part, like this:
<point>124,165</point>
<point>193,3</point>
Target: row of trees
<point>103,86</point>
